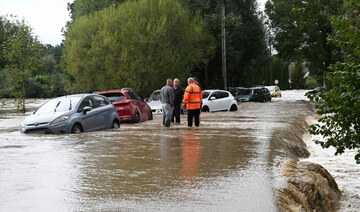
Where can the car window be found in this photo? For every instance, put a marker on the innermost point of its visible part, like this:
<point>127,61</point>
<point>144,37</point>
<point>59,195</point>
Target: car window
<point>221,94</point>
<point>155,96</point>
<point>86,102</point>
<point>100,101</point>
<point>133,95</point>
<point>114,97</point>
<point>206,95</point>
<point>241,92</point>
<point>277,88</point>
<point>214,94</point>
<point>58,105</point>
<point>265,90</point>
<point>257,92</point>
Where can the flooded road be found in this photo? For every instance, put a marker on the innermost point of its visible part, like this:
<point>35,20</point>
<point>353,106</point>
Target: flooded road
<point>230,163</point>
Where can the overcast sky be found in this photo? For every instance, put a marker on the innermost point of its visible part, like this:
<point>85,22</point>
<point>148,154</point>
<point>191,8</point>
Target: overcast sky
<point>46,17</point>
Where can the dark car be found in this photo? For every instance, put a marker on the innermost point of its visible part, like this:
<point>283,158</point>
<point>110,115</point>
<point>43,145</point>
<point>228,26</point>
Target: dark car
<point>316,90</point>
<point>252,95</point>
<point>129,105</point>
<point>267,94</point>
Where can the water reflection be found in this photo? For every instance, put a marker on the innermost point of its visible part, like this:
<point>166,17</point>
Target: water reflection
<point>191,152</point>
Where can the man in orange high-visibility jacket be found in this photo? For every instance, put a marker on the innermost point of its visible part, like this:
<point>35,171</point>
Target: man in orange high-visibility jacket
<point>192,99</point>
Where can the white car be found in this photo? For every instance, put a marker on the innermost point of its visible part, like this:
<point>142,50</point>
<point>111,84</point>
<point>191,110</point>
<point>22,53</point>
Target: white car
<point>154,102</point>
<point>218,100</point>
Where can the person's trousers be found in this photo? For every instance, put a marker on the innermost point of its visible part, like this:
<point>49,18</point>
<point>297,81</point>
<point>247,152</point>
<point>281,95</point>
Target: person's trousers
<point>176,113</point>
<point>167,111</point>
<point>193,114</point>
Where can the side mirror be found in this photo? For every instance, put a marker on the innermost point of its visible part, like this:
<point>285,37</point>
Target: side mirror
<point>212,98</point>
<point>86,109</point>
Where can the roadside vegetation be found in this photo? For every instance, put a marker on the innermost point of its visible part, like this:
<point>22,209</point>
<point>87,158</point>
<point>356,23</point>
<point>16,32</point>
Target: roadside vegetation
<point>111,44</point>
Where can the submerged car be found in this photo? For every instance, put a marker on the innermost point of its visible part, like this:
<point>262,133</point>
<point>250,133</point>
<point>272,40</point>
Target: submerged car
<point>256,94</point>
<point>317,90</point>
<point>218,100</point>
<point>154,102</point>
<point>274,90</point>
<point>72,114</point>
<point>129,105</point>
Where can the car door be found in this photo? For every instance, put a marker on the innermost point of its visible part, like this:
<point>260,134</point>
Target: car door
<point>215,103</point>
<point>136,100</point>
<point>224,100</point>
<point>102,112</point>
<point>140,104</point>
<point>89,121</point>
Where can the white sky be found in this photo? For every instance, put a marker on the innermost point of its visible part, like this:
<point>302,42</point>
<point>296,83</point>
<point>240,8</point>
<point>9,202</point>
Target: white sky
<point>47,17</point>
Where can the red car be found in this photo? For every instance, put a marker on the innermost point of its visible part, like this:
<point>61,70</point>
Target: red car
<point>128,105</point>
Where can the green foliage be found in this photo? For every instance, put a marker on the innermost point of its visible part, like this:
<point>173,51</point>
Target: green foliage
<point>311,83</point>
<point>297,76</point>
<point>340,123</point>
<point>137,44</point>
<point>279,70</point>
<point>301,29</point>
<point>23,53</point>
<point>86,7</point>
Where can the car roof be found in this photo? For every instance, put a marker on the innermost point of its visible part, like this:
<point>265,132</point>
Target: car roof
<point>114,91</point>
<point>212,90</point>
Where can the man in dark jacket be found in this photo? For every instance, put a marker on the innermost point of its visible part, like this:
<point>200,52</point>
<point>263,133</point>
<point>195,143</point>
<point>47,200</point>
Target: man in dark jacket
<point>179,93</point>
<point>167,101</point>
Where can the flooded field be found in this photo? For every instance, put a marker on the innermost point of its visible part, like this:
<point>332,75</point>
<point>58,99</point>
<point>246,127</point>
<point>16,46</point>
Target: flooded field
<point>230,163</point>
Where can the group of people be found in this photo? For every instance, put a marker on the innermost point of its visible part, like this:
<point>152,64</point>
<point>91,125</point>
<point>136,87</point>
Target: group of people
<point>173,96</point>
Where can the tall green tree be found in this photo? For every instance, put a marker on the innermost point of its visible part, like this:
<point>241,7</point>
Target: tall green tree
<point>247,53</point>
<point>136,44</point>
<point>24,55</point>
<point>340,122</point>
<point>301,29</point>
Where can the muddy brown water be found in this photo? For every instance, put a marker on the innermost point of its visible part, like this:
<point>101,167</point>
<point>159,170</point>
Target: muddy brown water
<point>229,163</point>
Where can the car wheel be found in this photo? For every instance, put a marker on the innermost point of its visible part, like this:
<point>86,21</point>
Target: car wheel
<point>233,108</point>
<point>150,115</point>
<point>137,117</point>
<point>76,129</point>
<point>205,109</point>
<point>115,124</point>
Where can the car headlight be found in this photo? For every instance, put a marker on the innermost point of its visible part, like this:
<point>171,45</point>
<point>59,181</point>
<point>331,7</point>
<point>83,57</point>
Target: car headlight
<point>22,124</point>
<point>60,119</point>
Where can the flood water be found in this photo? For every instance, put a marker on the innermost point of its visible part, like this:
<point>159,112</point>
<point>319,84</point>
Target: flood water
<point>229,163</point>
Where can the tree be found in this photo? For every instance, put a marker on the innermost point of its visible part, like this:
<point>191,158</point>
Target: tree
<point>24,54</point>
<point>340,122</point>
<point>136,44</point>
<point>301,29</point>
<point>297,76</point>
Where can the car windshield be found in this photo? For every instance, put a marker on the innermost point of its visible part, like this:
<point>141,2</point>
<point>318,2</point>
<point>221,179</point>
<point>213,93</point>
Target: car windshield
<point>59,105</point>
<point>114,97</point>
<point>155,96</point>
<point>243,92</point>
<point>271,88</point>
<point>206,95</point>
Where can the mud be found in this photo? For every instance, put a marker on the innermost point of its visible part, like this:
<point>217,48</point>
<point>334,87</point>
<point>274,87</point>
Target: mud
<point>310,188</point>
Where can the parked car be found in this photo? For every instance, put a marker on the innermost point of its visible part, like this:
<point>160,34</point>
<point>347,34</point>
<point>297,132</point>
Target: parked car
<point>316,90</point>
<point>155,104</point>
<point>218,100</point>
<point>72,114</point>
<point>267,94</point>
<point>255,94</point>
<point>274,90</point>
<point>128,105</point>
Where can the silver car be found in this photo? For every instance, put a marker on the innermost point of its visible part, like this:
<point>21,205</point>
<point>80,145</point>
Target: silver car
<point>72,114</point>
